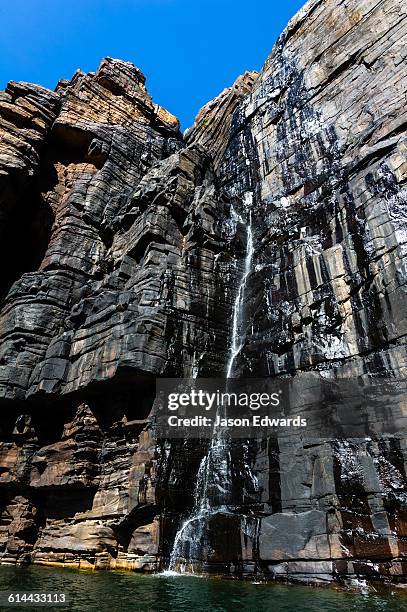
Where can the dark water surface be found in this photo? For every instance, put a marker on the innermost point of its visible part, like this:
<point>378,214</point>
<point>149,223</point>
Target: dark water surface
<point>113,592</point>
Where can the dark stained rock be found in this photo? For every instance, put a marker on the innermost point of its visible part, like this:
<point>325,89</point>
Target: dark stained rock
<point>125,250</point>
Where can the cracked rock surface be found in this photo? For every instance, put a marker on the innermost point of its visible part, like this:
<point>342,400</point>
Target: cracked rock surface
<point>121,259</point>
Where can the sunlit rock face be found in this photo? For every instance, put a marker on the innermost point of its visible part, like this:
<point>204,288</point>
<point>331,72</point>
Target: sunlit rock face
<point>125,284</point>
<point>123,244</point>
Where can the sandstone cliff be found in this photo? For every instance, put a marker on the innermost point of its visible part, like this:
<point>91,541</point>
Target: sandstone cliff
<point>121,257</point>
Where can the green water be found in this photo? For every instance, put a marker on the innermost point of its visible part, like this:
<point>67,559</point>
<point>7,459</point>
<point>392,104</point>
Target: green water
<point>115,592</point>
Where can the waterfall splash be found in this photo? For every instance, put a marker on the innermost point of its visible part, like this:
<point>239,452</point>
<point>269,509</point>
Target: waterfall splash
<point>213,491</point>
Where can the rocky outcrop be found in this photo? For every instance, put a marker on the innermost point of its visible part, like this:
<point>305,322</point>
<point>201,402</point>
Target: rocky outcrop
<point>115,301</point>
<point>125,252</point>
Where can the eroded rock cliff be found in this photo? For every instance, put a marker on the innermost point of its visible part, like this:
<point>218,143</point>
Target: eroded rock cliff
<point>121,257</point>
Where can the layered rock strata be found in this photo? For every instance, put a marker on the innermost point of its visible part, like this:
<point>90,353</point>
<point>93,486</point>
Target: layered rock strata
<point>124,250</point>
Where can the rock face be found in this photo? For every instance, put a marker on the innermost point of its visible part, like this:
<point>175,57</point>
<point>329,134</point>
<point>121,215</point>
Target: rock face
<point>123,255</point>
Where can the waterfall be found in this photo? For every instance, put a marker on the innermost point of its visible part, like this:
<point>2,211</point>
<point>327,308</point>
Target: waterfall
<point>213,493</point>
<point>191,529</point>
<point>237,335</point>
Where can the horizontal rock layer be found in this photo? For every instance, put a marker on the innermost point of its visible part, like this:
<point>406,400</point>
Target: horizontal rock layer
<point>124,250</point>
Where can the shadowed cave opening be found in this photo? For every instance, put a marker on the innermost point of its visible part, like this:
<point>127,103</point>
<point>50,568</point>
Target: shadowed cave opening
<point>25,234</point>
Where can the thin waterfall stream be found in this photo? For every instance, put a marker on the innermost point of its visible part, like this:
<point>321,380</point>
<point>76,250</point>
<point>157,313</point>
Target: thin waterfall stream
<point>237,336</point>
<point>213,490</point>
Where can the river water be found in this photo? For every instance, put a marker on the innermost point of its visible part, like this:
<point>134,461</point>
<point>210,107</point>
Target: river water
<point>121,591</point>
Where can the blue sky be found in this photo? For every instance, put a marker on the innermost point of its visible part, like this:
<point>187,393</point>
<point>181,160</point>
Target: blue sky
<point>189,50</point>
